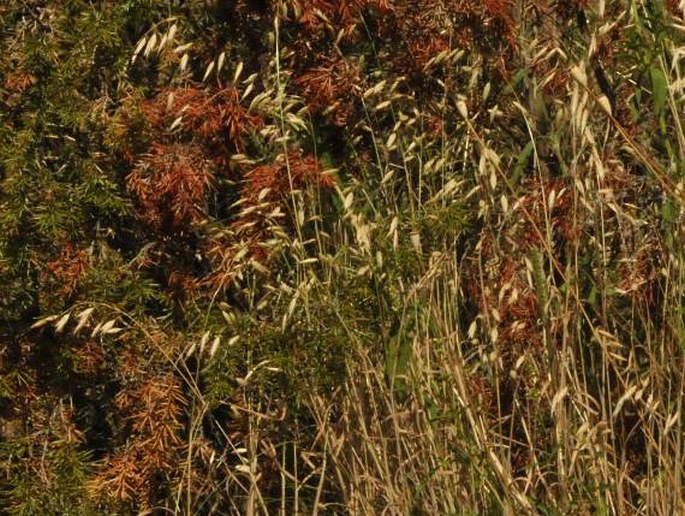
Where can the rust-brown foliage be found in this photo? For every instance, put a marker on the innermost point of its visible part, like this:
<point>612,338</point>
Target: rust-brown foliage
<point>152,409</point>
<point>170,184</point>
<point>65,273</point>
<point>265,191</point>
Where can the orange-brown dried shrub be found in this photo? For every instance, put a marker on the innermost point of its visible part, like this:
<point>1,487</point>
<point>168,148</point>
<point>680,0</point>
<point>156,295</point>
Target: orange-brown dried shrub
<point>216,116</point>
<point>67,271</point>
<point>89,358</point>
<point>153,410</point>
<point>170,185</point>
<point>329,88</point>
<point>319,15</point>
<point>676,9</point>
<point>291,171</point>
<point>18,81</point>
<point>265,188</point>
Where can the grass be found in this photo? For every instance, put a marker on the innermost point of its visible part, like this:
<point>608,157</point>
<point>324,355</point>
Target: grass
<point>536,368</point>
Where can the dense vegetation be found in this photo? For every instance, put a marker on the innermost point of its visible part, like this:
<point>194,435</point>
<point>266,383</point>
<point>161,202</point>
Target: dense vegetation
<point>342,256</point>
